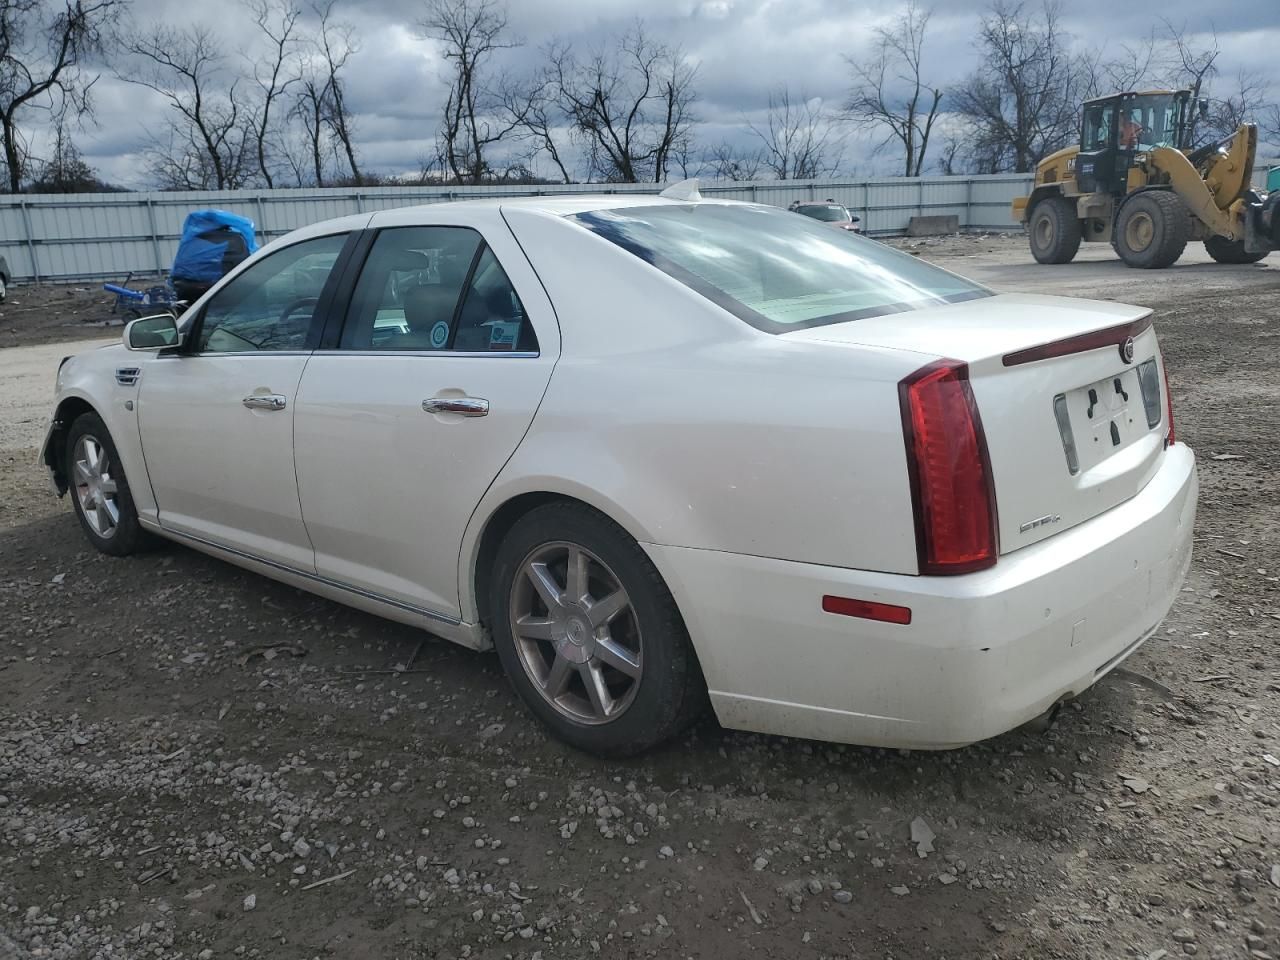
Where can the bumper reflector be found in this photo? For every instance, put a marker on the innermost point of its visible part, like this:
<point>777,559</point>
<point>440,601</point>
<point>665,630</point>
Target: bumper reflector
<point>866,609</point>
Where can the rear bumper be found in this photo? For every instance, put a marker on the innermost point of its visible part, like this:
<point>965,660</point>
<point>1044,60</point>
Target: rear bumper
<point>983,653</point>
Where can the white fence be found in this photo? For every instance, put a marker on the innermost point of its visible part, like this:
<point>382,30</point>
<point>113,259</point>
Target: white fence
<point>108,235</point>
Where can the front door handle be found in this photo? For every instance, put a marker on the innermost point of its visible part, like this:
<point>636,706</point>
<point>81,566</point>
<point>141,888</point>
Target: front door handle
<point>463,406</point>
<point>265,401</point>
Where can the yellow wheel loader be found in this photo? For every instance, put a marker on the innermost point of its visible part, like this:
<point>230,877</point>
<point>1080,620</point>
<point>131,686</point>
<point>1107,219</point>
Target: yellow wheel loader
<point>1135,181</point>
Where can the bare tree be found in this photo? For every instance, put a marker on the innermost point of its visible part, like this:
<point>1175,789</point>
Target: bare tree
<point>310,107</point>
<point>336,44</point>
<point>44,48</point>
<point>889,91</point>
<point>540,120</point>
<point>478,112</point>
<point>278,21</point>
<point>1190,66</point>
<point>1022,103</point>
<point>727,162</point>
<point>1246,101</point>
<point>1133,67</point>
<point>799,139</point>
<point>185,66</point>
<point>631,104</point>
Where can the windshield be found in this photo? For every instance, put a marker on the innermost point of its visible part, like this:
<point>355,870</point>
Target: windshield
<point>1148,122</point>
<point>777,271</point>
<point>828,213</point>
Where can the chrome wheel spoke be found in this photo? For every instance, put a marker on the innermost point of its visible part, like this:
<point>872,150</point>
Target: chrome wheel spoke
<point>617,656</point>
<point>543,581</point>
<point>534,628</point>
<point>108,486</point>
<point>102,517</point>
<point>603,611</point>
<point>558,677</point>
<point>576,576</point>
<point>83,473</point>
<point>593,679</point>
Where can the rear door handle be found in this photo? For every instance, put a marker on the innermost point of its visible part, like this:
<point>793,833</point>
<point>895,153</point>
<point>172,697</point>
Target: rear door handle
<point>267,401</point>
<point>463,406</point>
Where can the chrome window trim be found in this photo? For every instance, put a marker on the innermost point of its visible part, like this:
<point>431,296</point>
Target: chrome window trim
<point>315,577</point>
<point>236,353</point>
<point>501,354</point>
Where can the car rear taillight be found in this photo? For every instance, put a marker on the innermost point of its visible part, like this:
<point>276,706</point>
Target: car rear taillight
<point>952,491</point>
<point>1168,399</point>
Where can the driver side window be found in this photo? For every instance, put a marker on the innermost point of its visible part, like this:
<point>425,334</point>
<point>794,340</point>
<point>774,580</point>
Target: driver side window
<point>268,307</point>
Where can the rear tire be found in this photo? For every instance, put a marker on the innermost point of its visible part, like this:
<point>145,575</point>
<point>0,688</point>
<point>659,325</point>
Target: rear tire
<point>645,683</point>
<point>1152,230</point>
<point>100,490</point>
<point>1054,230</point>
<point>1230,251</point>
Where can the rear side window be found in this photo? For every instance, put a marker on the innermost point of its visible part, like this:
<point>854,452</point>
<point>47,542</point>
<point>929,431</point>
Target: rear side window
<point>434,289</point>
<point>775,270</point>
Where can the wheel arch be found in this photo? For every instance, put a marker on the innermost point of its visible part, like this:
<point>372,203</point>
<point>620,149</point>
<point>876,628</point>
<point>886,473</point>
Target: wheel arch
<point>498,515</point>
<point>55,448</point>
<point>1042,192</point>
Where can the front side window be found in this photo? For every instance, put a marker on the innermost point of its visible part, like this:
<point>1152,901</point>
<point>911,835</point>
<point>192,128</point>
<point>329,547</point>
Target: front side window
<point>434,288</point>
<point>777,271</point>
<point>1097,127</point>
<point>269,306</point>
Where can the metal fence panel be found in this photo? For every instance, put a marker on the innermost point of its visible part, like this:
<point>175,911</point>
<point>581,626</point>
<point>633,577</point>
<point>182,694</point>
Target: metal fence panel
<point>107,235</point>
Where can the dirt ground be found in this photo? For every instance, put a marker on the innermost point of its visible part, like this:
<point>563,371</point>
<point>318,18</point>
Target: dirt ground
<point>56,313</point>
<point>196,762</point>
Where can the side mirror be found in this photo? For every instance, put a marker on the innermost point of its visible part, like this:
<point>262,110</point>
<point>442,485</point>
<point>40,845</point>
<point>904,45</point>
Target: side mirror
<point>854,219</point>
<point>1203,103</point>
<point>153,333</point>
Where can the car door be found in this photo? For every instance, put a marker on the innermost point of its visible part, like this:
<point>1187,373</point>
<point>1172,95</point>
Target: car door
<point>406,415</point>
<point>216,418</point>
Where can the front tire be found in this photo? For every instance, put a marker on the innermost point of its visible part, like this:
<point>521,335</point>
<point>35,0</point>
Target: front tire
<point>100,490</point>
<point>1230,251</point>
<point>1054,230</point>
<point>589,635</point>
<point>1152,230</point>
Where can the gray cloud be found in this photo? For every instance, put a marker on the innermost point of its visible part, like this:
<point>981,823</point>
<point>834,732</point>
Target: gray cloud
<point>743,48</point>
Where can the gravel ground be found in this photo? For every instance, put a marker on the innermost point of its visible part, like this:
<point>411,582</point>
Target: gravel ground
<point>196,762</point>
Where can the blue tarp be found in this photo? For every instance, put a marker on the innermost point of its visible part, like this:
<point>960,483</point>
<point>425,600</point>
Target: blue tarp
<point>209,239</point>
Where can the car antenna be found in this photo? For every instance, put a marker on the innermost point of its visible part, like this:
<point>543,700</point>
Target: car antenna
<point>684,190</point>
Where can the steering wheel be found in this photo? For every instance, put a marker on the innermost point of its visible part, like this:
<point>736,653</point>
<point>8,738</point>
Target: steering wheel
<point>293,306</point>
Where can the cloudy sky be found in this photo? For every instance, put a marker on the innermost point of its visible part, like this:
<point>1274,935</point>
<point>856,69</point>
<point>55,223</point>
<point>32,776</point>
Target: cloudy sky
<point>742,49</point>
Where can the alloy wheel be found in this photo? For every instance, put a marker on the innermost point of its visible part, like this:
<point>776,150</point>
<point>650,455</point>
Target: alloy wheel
<point>576,632</point>
<point>95,486</point>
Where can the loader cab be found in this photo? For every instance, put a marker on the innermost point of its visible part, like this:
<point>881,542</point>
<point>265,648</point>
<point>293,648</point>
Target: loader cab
<point>1119,129</point>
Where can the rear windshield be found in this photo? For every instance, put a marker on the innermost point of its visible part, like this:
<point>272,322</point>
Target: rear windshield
<point>777,271</point>
<point>827,214</point>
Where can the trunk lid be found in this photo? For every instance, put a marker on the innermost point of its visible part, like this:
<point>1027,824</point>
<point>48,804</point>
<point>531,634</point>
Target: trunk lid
<point>1070,435</point>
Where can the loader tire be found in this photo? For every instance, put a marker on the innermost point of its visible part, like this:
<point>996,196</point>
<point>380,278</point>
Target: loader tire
<point>1152,230</point>
<point>1054,230</point>
<point>1230,251</point>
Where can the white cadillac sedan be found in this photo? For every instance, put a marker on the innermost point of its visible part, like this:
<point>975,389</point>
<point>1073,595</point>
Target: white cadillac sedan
<point>655,451</point>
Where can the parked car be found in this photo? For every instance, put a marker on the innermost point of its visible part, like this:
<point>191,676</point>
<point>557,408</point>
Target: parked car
<point>653,449</point>
<point>835,215</point>
<point>4,279</point>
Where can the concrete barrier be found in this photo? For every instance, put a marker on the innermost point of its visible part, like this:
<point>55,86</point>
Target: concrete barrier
<point>933,226</point>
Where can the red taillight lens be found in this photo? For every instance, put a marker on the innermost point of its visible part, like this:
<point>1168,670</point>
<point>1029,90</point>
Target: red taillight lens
<point>1168,399</point>
<point>951,485</point>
